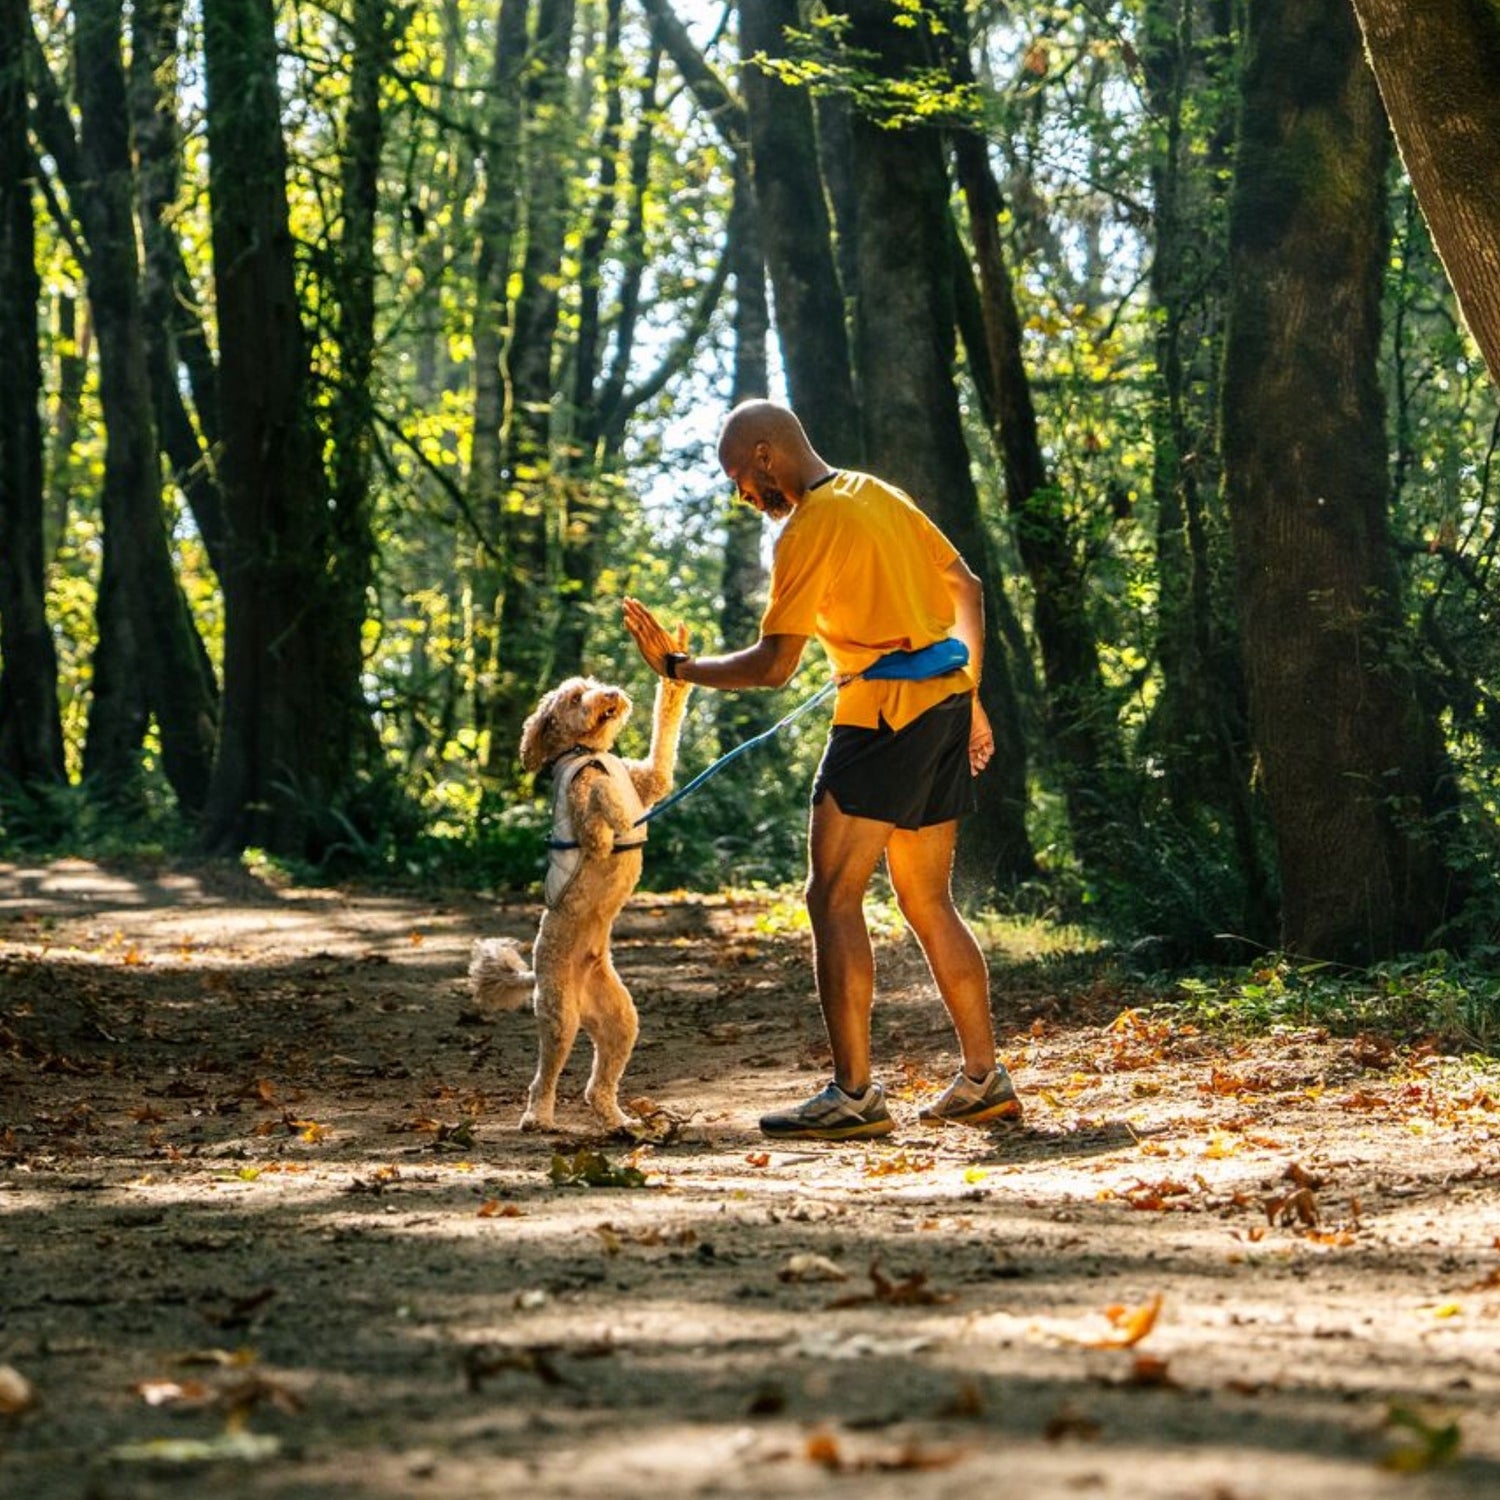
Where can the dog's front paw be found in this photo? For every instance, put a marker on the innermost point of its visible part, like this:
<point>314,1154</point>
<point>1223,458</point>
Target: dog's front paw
<point>610,1115</point>
<point>535,1119</point>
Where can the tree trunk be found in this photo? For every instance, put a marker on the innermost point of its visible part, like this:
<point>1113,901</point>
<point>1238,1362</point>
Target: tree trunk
<point>738,716</point>
<point>1199,726</point>
<point>170,663</point>
<point>278,779</point>
<point>1351,762</point>
<point>1437,64</point>
<point>1081,719</point>
<point>352,555</point>
<point>31,744</point>
<point>531,565</point>
<point>488,488</point>
<point>797,236</point>
<point>913,433</point>
<point>165,287</point>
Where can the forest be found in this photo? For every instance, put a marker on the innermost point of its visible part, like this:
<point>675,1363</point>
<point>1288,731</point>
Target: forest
<point>359,359</point>
<point>360,356</point>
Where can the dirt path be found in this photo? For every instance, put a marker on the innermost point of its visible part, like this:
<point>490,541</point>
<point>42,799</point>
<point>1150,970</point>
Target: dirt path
<point>267,1228</point>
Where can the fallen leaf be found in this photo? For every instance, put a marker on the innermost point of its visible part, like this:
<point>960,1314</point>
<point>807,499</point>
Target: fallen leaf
<point>1149,1370</point>
<point>17,1394</point>
<point>174,1392</point>
<point>911,1291</point>
<point>1068,1422</point>
<point>899,1162</point>
<point>1431,1444</point>
<point>586,1168</point>
<point>809,1267</point>
<point>242,1447</point>
<point>758,1158</point>
<point>1134,1324</point>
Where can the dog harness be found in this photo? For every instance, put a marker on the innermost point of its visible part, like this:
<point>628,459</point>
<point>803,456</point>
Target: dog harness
<point>564,855</point>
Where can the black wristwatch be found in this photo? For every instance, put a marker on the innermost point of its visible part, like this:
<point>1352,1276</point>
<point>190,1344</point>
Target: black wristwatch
<point>672,661</point>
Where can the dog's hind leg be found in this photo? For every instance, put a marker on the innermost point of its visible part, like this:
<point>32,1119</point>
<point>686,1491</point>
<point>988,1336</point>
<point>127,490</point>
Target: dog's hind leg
<point>612,1025</point>
<point>557,1029</point>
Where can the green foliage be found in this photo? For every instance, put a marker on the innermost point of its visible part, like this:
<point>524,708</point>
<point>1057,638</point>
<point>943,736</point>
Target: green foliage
<point>1438,995</point>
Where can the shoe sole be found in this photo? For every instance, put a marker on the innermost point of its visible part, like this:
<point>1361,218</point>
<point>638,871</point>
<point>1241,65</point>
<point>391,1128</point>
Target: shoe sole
<point>866,1130</point>
<point>1007,1113</point>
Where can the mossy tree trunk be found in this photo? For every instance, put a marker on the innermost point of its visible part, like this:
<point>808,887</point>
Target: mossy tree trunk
<point>905,352</point>
<point>1438,66</point>
<point>1351,761</point>
<point>30,727</point>
<point>168,665</point>
<point>281,780</point>
<point>796,232</point>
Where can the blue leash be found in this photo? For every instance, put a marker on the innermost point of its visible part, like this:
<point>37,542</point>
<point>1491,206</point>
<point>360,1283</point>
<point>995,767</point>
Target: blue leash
<point>735,754</point>
<point>931,661</point>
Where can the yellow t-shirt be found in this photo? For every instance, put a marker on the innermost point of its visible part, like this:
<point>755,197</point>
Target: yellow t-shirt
<point>861,567</point>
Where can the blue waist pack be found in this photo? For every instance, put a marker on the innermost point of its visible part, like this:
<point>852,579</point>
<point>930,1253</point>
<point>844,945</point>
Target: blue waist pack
<point>913,666</point>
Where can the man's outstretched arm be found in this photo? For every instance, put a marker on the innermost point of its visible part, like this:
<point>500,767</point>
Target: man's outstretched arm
<point>770,662</point>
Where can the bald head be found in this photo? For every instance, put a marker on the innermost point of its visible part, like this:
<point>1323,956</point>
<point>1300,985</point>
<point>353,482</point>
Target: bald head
<point>753,422</point>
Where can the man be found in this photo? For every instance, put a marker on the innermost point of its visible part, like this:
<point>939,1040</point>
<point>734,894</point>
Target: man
<point>862,569</point>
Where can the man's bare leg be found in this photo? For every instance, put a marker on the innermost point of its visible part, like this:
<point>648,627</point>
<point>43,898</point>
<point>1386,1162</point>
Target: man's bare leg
<point>843,852</point>
<point>921,865</point>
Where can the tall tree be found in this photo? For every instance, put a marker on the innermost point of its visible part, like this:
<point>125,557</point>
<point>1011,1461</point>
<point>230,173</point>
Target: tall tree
<point>488,486</point>
<point>174,333</point>
<point>280,777</point>
<point>743,576</point>
<point>164,658</point>
<point>373,36</point>
<point>31,745</point>
<point>1352,765</point>
<point>905,351</point>
<point>529,572</point>
<point>1081,720</point>
<point>1437,64</point>
<point>796,231</point>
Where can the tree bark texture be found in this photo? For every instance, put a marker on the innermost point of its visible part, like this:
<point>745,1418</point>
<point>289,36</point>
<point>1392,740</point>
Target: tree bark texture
<point>1199,726</point>
<point>905,350</point>
<point>276,781</point>
<point>166,289</point>
<point>498,215</point>
<point>1082,726</point>
<point>352,554</point>
<point>531,566</point>
<point>1437,64</point>
<point>738,716</point>
<point>169,662</point>
<point>797,235</point>
<point>1351,763</point>
<point>31,745</point>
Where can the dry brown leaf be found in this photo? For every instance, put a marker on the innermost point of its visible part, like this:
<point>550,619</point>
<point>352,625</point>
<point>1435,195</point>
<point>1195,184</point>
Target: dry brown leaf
<point>1150,1371</point>
<point>910,1291</point>
<point>1067,1422</point>
<point>898,1163</point>
<point>1134,1324</point>
<point>17,1394</point>
<point>822,1448</point>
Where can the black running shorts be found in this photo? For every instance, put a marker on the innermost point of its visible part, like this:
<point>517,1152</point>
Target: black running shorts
<point>912,777</point>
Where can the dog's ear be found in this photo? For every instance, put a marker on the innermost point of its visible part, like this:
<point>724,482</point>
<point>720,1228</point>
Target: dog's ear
<point>536,734</point>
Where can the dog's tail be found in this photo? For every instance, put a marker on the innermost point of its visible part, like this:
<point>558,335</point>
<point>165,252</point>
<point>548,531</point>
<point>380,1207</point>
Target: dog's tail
<point>499,975</point>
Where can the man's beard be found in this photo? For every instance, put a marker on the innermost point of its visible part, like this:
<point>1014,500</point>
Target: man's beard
<point>774,503</point>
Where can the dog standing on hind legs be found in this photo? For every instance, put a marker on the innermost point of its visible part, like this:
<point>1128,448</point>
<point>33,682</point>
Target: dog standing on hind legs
<point>594,866</point>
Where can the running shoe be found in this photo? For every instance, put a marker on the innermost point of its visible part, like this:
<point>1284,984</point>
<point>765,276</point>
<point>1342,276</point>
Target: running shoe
<point>990,1101</point>
<point>832,1115</point>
